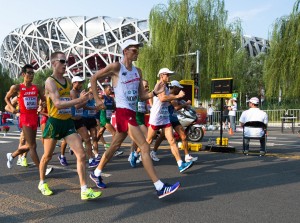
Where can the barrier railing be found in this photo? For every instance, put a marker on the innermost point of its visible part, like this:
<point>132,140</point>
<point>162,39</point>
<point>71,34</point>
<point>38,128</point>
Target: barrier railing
<point>273,115</point>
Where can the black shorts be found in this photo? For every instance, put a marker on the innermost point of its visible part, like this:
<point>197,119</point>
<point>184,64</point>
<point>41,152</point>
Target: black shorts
<point>79,123</point>
<point>174,124</point>
<point>90,123</point>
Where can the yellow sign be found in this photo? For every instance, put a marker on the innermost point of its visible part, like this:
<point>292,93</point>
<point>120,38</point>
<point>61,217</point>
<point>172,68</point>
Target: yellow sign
<point>221,95</point>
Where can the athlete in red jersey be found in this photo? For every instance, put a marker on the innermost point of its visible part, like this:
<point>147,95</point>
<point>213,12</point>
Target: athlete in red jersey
<point>28,104</point>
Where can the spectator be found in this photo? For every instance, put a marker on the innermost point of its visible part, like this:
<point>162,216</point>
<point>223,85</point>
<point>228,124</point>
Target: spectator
<point>225,115</point>
<point>210,112</point>
<point>254,114</point>
<point>232,113</point>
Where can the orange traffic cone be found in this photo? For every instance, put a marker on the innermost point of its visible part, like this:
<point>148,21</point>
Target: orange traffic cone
<point>230,131</point>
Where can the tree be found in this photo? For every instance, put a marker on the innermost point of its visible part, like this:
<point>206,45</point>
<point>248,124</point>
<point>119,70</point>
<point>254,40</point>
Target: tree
<point>5,83</point>
<point>185,26</point>
<point>282,67</point>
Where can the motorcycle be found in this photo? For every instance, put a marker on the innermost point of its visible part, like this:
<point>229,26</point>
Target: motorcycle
<point>189,120</point>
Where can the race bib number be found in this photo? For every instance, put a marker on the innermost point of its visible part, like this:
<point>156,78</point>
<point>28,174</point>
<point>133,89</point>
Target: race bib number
<point>131,96</point>
<point>30,102</point>
<point>64,110</point>
<point>92,112</point>
<point>164,112</point>
<point>79,112</point>
<point>108,114</point>
<point>141,107</point>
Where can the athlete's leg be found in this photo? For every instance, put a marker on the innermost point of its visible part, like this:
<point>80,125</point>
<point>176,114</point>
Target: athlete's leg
<point>75,143</point>
<point>49,146</point>
<point>158,141</point>
<point>172,142</point>
<point>83,132</point>
<point>179,129</point>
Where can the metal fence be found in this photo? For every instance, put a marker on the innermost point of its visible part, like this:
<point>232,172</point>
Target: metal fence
<point>273,115</point>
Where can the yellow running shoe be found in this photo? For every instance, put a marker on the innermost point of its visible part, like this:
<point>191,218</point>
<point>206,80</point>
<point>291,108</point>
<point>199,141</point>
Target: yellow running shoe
<point>24,162</point>
<point>89,194</point>
<point>45,189</point>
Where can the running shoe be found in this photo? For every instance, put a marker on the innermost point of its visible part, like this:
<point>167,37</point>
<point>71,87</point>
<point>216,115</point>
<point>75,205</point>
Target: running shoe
<point>94,163</point>
<point>262,153</point>
<point>246,152</point>
<point>98,158</point>
<point>89,194</point>
<point>153,156</point>
<point>9,160</point>
<point>139,159</point>
<point>118,153</point>
<point>62,160</point>
<point>48,171</point>
<point>129,157</point>
<point>133,160</point>
<point>98,181</point>
<point>167,190</point>
<point>106,145</point>
<point>45,189</point>
<point>191,158</point>
<point>19,161</point>
<point>185,166</point>
<point>24,161</point>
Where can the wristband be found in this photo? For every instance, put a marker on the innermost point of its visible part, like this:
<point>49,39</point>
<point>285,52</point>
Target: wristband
<point>154,93</point>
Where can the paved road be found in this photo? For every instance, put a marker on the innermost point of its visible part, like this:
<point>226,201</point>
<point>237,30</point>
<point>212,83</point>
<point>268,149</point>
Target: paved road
<point>220,187</point>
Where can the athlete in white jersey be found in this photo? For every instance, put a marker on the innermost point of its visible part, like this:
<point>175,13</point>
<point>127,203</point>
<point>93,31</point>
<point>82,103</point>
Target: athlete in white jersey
<point>160,119</point>
<point>126,80</point>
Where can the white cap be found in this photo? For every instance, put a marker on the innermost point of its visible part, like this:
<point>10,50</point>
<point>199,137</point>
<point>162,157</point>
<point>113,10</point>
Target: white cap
<point>254,100</point>
<point>175,84</point>
<point>77,79</point>
<point>130,42</point>
<point>234,99</point>
<point>165,70</point>
<point>89,85</point>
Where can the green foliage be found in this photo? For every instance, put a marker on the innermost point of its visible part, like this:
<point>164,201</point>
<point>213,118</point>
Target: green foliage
<point>41,76</point>
<point>5,83</point>
<point>185,26</point>
<point>282,67</point>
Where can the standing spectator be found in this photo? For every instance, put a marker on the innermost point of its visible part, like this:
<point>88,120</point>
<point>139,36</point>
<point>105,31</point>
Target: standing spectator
<point>210,112</point>
<point>225,115</point>
<point>254,114</point>
<point>232,113</point>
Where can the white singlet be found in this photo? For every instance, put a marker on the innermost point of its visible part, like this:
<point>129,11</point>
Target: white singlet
<point>126,91</point>
<point>159,114</point>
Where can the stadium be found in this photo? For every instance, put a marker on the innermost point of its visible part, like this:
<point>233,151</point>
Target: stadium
<point>89,43</point>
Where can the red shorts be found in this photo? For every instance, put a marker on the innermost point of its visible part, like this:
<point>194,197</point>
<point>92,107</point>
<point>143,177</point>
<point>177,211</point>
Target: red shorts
<point>158,127</point>
<point>123,118</point>
<point>43,119</point>
<point>29,120</point>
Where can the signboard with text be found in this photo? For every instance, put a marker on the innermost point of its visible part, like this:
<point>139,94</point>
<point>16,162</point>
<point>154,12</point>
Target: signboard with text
<point>221,87</point>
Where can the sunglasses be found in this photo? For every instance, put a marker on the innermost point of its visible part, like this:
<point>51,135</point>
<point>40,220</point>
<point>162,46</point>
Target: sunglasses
<point>134,50</point>
<point>62,61</point>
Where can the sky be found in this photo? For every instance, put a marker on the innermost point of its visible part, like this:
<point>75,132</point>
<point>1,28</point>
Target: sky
<point>257,16</point>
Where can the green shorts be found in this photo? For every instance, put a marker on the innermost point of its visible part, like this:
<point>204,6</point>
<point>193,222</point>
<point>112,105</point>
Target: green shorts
<point>140,118</point>
<point>103,119</point>
<point>58,129</point>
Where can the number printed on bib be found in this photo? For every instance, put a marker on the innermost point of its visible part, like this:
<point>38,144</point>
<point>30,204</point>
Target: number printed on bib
<point>30,102</point>
<point>64,110</point>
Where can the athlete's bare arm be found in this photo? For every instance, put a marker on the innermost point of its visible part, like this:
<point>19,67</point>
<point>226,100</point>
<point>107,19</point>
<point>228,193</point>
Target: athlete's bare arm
<point>73,96</point>
<point>111,70</point>
<point>13,91</point>
<point>52,92</point>
<point>143,95</point>
<point>178,106</point>
<point>164,98</point>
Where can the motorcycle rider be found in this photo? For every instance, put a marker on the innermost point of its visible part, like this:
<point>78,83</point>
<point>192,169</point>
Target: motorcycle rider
<point>175,105</point>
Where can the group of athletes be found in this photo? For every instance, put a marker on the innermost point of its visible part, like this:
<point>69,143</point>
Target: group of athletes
<point>71,114</point>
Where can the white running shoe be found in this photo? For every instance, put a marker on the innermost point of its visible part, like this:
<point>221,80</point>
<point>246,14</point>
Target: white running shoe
<point>9,160</point>
<point>139,159</point>
<point>48,171</point>
<point>153,156</point>
<point>190,158</point>
<point>118,153</point>
<point>19,161</point>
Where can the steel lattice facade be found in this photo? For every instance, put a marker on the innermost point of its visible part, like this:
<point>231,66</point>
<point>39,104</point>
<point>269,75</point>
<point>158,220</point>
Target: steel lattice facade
<point>89,43</point>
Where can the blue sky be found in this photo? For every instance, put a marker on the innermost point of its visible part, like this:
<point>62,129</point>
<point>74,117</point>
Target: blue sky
<point>257,15</point>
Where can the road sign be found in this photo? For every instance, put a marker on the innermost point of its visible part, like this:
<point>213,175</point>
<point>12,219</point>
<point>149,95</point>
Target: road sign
<point>235,95</point>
